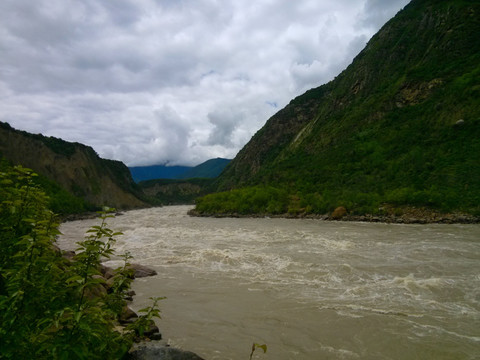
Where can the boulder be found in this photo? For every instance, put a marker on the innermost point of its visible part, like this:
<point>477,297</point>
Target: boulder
<point>96,291</point>
<point>129,296</point>
<point>155,336</point>
<point>154,351</point>
<point>137,270</point>
<point>107,271</point>
<point>152,331</point>
<point>142,271</point>
<point>68,254</point>
<point>110,283</point>
<point>127,316</point>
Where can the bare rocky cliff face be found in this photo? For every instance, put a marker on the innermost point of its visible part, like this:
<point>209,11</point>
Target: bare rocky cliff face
<point>74,166</point>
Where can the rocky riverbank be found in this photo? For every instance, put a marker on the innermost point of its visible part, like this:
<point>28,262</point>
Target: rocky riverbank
<point>388,214</point>
<point>149,346</point>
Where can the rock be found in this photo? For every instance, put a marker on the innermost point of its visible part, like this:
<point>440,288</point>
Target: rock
<point>68,254</point>
<point>129,296</point>
<point>142,271</point>
<point>107,272</point>
<point>95,291</point>
<point>339,213</point>
<point>152,331</point>
<point>102,281</point>
<point>56,249</point>
<point>153,351</point>
<point>127,316</point>
<point>462,219</point>
<point>110,282</point>
<point>155,336</point>
<point>137,270</point>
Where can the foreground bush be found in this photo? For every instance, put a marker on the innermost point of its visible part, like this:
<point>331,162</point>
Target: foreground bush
<point>51,307</point>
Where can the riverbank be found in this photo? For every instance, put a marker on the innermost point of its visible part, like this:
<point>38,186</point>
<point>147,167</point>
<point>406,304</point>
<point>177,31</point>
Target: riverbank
<point>88,215</point>
<point>396,215</point>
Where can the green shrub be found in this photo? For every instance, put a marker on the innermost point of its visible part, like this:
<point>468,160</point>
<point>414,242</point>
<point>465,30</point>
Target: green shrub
<point>48,306</point>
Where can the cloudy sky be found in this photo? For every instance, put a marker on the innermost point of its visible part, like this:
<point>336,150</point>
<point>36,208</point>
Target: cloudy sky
<point>171,81</point>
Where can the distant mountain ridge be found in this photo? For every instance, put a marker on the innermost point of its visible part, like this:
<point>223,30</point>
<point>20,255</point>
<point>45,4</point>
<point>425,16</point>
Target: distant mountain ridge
<point>208,169</point>
<point>142,173</point>
<point>399,127</point>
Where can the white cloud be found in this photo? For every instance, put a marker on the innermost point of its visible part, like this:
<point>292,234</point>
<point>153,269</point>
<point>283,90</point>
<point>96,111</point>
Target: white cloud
<point>150,82</point>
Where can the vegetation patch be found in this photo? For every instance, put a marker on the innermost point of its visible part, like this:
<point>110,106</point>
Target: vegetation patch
<point>52,307</point>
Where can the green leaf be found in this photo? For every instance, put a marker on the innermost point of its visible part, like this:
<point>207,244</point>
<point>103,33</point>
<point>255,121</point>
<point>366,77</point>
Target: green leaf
<point>263,347</point>
<point>78,316</point>
<point>75,278</point>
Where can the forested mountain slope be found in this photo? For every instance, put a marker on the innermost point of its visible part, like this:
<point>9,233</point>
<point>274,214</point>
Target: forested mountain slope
<point>400,126</point>
<point>72,167</point>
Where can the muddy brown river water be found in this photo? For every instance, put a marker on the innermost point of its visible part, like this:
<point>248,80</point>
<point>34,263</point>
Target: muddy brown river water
<point>309,289</point>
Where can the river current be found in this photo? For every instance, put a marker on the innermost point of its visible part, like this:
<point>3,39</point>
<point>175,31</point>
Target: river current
<point>308,289</point>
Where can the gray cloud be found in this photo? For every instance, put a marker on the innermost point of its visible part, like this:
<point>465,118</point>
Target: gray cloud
<point>149,81</point>
<point>377,12</point>
<point>225,121</point>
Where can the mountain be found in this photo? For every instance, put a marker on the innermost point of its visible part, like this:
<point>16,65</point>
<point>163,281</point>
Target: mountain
<point>400,127</point>
<point>73,168</point>
<point>176,191</point>
<point>190,185</point>
<point>141,173</point>
<point>209,169</point>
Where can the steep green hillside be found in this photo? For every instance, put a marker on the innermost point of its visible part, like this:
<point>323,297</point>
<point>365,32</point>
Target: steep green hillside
<point>75,177</point>
<point>400,126</point>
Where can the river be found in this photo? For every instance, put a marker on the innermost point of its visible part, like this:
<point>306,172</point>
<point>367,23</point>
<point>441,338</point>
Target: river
<point>308,289</point>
